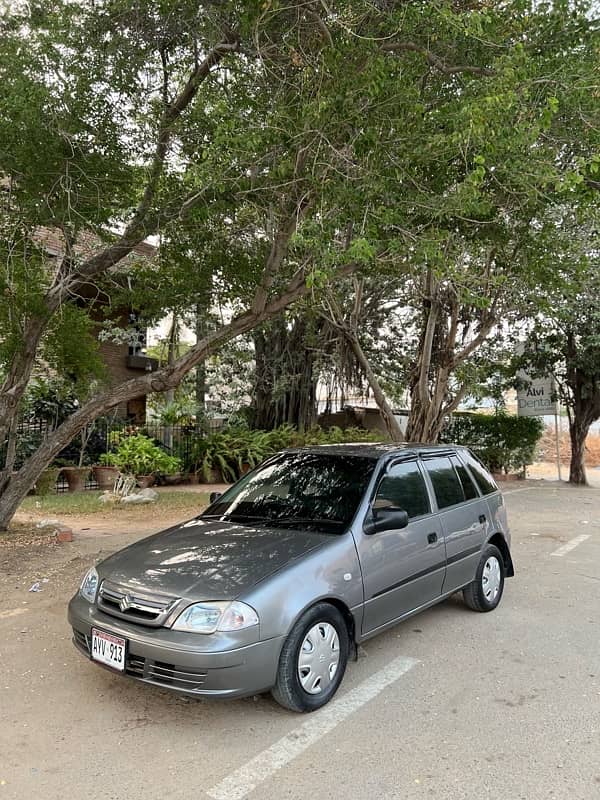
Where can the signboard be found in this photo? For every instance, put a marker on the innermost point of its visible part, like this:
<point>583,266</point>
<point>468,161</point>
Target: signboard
<point>535,398</point>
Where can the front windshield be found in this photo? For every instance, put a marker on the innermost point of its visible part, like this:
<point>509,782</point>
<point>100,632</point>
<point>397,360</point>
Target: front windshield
<point>317,491</point>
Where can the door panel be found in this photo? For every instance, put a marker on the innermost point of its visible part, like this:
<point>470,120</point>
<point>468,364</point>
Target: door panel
<point>465,535</point>
<point>401,569</point>
<point>464,516</point>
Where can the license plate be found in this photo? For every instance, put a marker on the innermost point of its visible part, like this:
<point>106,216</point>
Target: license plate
<point>108,649</point>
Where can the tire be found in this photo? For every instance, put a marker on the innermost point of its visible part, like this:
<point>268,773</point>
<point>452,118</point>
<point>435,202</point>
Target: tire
<point>485,592</point>
<point>305,681</point>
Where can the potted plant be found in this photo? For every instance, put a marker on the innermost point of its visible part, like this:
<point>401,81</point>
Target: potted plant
<point>106,472</point>
<point>75,476</point>
<point>140,456</point>
<point>46,483</point>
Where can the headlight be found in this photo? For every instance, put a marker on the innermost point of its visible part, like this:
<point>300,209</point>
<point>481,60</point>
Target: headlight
<point>211,617</point>
<point>89,585</point>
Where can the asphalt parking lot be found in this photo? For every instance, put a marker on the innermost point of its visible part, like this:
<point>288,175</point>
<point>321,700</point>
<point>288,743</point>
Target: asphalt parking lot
<point>450,704</point>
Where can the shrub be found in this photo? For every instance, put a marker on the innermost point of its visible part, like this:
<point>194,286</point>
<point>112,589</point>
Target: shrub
<point>46,483</point>
<point>504,443</point>
<point>235,450</point>
<point>138,455</point>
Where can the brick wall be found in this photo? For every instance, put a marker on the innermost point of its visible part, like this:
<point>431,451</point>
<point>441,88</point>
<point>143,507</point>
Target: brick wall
<point>115,359</point>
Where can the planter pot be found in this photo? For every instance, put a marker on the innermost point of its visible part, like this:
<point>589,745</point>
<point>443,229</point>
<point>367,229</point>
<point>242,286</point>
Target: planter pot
<point>173,480</point>
<point>145,481</point>
<point>214,476</point>
<point>46,483</point>
<point>105,477</point>
<point>76,477</point>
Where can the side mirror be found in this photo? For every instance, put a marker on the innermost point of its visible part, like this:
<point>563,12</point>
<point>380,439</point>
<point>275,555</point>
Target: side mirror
<point>385,519</point>
<point>214,496</point>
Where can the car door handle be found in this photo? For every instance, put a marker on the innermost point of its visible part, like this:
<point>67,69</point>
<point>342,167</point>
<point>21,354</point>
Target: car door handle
<point>482,518</point>
<point>432,538</point>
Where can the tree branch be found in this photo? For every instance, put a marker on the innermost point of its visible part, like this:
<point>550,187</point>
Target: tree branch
<point>435,60</point>
<point>167,377</point>
<point>277,253</point>
<point>141,225</point>
<point>138,229</point>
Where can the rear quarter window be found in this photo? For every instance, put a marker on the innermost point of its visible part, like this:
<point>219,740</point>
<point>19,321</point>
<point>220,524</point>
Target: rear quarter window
<point>465,479</point>
<point>481,475</point>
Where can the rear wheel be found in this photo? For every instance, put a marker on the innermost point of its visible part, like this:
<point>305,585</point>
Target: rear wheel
<point>313,659</point>
<point>485,592</point>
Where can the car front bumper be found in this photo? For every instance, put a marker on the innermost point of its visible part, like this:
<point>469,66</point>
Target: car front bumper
<point>172,660</point>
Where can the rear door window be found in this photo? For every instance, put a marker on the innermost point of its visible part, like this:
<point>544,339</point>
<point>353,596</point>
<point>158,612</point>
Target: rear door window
<point>482,477</point>
<point>403,486</point>
<point>446,484</point>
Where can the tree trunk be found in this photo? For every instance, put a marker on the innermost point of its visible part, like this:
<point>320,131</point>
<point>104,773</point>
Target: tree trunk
<point>284,383</point>
<point>391,423</point>
<point>200,377</point>
<point>16,487</point>
<point>170,393</point>
<point>578,432</point>
<point>11,496</point>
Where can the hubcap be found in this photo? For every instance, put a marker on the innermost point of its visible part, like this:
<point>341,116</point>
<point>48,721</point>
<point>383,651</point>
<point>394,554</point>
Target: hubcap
<point>490,579</point>
<point>318,658</point>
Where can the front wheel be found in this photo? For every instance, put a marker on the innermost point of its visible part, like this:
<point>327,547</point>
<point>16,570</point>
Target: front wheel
<point>485,592</point>
<point>313,660</point>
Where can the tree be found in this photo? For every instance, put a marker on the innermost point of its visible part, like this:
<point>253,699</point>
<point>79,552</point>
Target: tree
<point>102,128</point>
<point>564,340</point>
<point>484,261</point>
<point>249,138</point>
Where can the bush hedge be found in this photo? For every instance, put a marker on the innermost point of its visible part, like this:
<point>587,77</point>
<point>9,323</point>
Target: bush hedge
<point>504,443</point>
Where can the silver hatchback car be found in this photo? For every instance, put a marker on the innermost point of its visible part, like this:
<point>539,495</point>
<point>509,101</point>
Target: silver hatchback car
<point>275,584</point>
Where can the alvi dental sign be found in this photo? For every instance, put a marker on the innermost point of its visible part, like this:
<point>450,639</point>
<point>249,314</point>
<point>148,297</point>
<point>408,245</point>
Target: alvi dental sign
<point>536,396</point>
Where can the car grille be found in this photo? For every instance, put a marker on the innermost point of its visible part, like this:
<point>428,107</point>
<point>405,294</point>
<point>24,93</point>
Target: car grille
<point>147,609</point>
<point>158,672</point>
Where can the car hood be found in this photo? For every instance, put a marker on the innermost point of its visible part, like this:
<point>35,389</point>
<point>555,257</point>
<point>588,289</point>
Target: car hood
<point>207,559</point>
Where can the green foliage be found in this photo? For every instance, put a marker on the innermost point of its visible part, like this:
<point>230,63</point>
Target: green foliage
<point>234,451</point>
<point>504,443</point>
<point>138,455</point>
<point>70,348</point>
<point>49,401</point>
<point>402,136</point>
<point>46,483</point>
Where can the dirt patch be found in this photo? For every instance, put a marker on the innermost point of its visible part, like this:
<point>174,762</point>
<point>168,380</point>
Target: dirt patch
<point>547,448</point>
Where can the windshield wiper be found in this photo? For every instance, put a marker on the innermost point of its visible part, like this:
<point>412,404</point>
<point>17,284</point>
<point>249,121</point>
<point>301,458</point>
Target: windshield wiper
<point>238,518</point>
<point>306,521</point>
<point>253,518</point>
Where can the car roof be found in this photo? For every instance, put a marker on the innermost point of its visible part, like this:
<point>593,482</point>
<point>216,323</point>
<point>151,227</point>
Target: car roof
<point>376,449</point>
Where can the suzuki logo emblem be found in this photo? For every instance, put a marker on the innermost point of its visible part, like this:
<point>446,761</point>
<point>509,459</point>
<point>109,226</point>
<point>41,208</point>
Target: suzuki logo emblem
<point>125,603</point>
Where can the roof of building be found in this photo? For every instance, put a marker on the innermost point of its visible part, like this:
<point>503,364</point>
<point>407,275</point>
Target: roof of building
<point>88,243</point>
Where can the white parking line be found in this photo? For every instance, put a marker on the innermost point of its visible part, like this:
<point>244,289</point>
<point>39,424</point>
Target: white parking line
<point>566,548</point>
<point>245,779</point>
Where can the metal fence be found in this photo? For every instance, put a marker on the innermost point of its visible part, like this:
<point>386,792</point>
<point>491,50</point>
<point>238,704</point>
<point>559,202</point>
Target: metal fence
<point>177,440</point>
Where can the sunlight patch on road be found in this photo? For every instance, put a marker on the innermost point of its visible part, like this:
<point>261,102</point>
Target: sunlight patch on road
<point>13,612</point>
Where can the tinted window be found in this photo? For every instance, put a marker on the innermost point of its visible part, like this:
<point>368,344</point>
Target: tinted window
<point>404,487</point>
<point>303,490</point>
<point>483,479</point>
<point>465,479</point>
<point>446,485</point>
